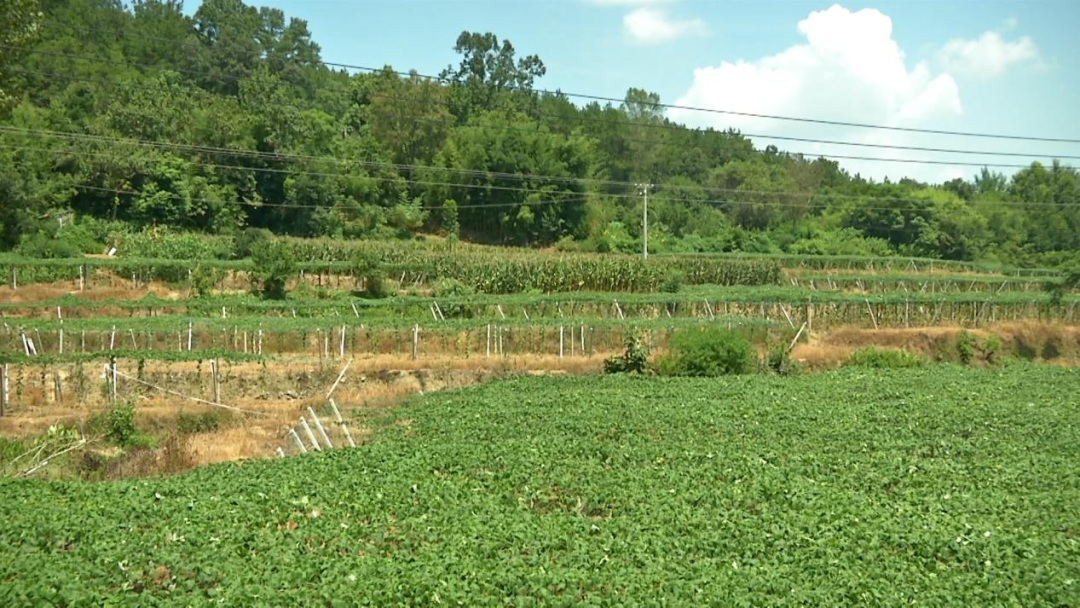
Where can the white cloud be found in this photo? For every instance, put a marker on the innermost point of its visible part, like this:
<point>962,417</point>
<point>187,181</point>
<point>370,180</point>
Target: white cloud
<point>850,69</point>
<point>1010,23</point>
<point>988,56</point>
<point>654,26</point>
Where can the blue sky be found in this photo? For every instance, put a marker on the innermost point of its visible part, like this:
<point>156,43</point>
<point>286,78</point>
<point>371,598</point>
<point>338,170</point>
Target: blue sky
<point>961,65</point>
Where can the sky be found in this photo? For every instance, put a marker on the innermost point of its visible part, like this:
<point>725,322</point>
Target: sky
<point>988,66</point>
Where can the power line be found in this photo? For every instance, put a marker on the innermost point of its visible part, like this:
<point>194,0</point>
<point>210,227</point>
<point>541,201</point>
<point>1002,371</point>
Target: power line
<point>668,106</point>
<point>672,127</point>
<point>789,153</point>
<point>283,157</point>
<point>466,172</point>
<point>579,199</point>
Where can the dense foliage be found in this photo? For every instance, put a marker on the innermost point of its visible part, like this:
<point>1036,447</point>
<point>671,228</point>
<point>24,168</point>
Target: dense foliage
<point>710,351</point>
<point>943,486</point>
<point>227,118</point>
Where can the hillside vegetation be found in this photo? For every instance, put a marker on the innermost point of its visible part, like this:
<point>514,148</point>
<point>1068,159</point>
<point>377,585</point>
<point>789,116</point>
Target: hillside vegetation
<point>137,115</point>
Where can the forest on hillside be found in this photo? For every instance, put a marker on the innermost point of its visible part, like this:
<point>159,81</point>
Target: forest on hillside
<point>136,116</point>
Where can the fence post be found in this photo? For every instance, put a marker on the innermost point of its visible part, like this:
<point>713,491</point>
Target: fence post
<point>58,392</point>
<point>310,435</point>
<point>296,438</point>
<point>341,423</point>
<point>217,383</point>
<point>320,428</point>
<point>3,388</point>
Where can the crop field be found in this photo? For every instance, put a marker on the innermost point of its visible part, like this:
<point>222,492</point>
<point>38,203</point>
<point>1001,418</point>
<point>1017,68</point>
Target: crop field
<point>944,485</point>
<point>172,313</point>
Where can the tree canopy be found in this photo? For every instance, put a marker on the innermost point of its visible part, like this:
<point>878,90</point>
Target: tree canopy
<point>228,119</point>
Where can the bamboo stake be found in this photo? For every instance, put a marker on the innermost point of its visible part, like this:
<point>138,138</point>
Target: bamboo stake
<point>319,427</point>
<point>341,423</point>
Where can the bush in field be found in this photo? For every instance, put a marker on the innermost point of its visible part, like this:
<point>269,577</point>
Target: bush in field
<point>117,424</point>
<point>634,360</point>
<point>450,289</point>
<point>778,360</point>
<point>883,358</point>
<point>965,347</point>
<point>1070,279</point>
<point>710,352</point>
<point>673,281</point>
<point>274,265</point>
<point>990,347</point>
<point>375,284</point>
<point>204,278</point>
<point>251,240</point>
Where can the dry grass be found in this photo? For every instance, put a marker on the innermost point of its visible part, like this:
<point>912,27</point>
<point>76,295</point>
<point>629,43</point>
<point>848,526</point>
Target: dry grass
<point>280,391</point>
<point>831,349</point>
<point>277,394</point>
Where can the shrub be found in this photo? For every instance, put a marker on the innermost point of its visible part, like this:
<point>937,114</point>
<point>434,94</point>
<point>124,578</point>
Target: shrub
<point>204,278</point>
<point>453,288</point>
<point>251,240</point>
<point>190,424</point>
<point>274,264</point>
<point>711,352</point>
<point>117,424</point>
<point>375,283</point>
<point>634,360</point>
<point>778,360</point>
<point>965,347</point>
<point>991,346</point>
<point>884,358</point>
<point>672,282</point>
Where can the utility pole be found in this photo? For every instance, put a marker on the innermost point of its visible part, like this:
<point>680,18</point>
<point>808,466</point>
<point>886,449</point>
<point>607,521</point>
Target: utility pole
<point>643,189</point>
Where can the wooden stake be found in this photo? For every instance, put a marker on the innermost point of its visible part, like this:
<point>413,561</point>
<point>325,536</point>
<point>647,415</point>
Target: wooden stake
<point>58,393</point>
<point>415,341</point>
<point>190,333</point>
<point>560,341</point>
<point>280,452</point>
<point>871,309</point>
<point>488,340</point>
<point>217,380</point>
<point>3,388</point>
